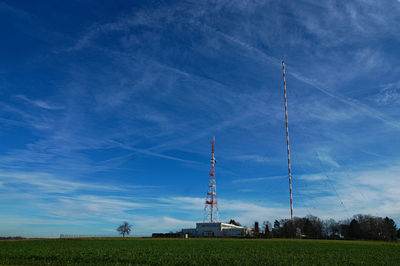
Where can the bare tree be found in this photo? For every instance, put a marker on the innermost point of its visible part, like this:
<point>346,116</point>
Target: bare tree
<point>124,228</point>
<point>331,229</point>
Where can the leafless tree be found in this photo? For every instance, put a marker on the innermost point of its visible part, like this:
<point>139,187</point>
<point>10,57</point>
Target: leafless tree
<point>124,228</point>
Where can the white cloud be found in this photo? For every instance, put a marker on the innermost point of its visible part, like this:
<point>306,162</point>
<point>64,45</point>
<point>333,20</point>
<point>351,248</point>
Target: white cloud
<point>185,203</point>
<point>257,179</point>
<point>361,107</point>
<point>233,110</point>
<point>325,157</point>
<point>39,103</point>
<point>161,224</point>
<point>389,94</point>
<point>375,192</point>
<point>312,177</point>
<point>122,24</point>
<point>89,206</point>
<point>51,183</point>
<point>255,158</point>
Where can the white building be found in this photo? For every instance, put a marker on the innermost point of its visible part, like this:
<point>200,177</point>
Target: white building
<point>217,229</point>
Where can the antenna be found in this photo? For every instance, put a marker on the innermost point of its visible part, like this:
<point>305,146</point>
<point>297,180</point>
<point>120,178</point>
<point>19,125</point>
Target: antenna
<point>211,206</point>
<point>287,140</point>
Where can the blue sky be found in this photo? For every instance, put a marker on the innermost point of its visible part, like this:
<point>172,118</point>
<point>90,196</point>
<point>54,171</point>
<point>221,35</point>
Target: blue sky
<point>107,110</point>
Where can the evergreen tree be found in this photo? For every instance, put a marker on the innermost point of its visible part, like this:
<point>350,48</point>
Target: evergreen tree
<point>354,229</point>
<point>389,229</point>
<point>277,229</point>
<point>308,228</point>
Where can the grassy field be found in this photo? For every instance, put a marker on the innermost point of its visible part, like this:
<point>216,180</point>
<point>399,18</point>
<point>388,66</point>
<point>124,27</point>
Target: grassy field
<point>117,251</point>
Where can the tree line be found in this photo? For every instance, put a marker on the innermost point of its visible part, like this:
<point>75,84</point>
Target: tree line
<point>361,226</point>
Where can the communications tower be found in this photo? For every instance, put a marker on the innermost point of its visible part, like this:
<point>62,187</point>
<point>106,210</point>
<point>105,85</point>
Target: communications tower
<point>211,206</point>
<point>287,140</point>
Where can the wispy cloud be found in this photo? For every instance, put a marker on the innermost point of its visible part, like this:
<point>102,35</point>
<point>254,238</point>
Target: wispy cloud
<point>324,157</point>
<point>255,158</point>
<point>4,7</point>
<point>257,179</point>
<point>151,153</point>
<point>389,94</point>
<point>312,177</point>
<point>85,206</point>
<point>122,24</point>
<point>136,95</point>
<point>27,119</point>
<point>365,109</point>
<point>162,224</point>
<point>39,103</point>
<point>52,183</point>
<point>356,191</point>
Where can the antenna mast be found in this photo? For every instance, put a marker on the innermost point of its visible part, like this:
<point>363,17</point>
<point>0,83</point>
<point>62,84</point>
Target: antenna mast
<point>287,140</point>
<point>211,206</point>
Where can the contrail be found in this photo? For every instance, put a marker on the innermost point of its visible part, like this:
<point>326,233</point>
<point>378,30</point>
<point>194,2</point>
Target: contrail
<point>270,59</point>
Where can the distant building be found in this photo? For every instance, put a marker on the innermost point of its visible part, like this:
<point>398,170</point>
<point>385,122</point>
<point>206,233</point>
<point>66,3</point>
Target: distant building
<point>213,228</point>
<point>217,229</point>
<point>166,235</point>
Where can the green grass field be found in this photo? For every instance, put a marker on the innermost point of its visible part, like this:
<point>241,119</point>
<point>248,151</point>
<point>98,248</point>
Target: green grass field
<point>117,251</point>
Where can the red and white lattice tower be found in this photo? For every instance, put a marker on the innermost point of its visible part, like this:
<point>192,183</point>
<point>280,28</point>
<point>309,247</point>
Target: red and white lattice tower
<point>287,141</point>
<point>211,206</point>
